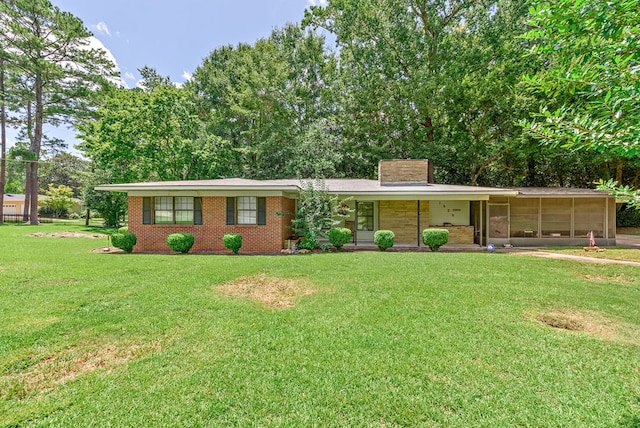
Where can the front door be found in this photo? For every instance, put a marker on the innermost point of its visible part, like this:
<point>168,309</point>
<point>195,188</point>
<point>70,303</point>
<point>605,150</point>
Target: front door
<point>366,223</point>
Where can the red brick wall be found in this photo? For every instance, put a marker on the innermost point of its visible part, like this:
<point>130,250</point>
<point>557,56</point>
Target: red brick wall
<point>208,236</point>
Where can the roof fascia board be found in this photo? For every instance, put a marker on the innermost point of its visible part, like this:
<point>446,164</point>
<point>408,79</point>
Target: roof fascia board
<point>210,193</point>
<point>191,188</point>
<point>421,197</point>
<point>565,196</point>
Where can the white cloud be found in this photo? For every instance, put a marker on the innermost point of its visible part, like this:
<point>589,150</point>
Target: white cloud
<point>101,27</point>
<point>186,75</point>
<point>322,3</point>
<point>129,76</point>
<point>97,44</point>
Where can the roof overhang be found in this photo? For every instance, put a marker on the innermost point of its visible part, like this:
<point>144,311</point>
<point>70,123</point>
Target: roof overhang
<point>195,188</point>
<point>425,196</point>
<point>153,187</point>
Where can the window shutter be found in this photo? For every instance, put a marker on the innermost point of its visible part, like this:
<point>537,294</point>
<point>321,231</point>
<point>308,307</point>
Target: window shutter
<point>197,210</point>
<point>231,210</point>
<point>146,210</point>
<point>262,211</point>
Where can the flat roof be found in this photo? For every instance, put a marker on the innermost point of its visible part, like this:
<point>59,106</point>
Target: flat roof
<point>559,191</point>
<point>334,186</point>
<point>347,187</point>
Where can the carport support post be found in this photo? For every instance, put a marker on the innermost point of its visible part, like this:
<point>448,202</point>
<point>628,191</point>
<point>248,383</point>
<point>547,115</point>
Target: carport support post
<point>355,232</point>
<point>481,223</point>
<point>418,223</point>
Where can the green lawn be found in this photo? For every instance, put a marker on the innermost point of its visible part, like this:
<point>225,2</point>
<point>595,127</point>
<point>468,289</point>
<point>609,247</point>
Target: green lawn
<point>372,339</point>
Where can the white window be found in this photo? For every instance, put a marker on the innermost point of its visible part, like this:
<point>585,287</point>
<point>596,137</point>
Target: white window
<point>247,208</point>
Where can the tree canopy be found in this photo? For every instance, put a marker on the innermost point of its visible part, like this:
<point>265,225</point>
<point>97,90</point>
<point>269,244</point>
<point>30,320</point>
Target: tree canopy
<point>591,81</point>
<point>493,92</point>
<point>53,73</point>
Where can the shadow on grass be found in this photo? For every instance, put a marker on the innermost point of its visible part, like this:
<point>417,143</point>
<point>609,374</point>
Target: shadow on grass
<point>630,421</point>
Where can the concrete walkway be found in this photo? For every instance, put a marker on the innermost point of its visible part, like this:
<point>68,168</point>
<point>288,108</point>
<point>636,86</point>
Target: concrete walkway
<point>628,241</point>
<point>623,241</point>
<point>587,259</point>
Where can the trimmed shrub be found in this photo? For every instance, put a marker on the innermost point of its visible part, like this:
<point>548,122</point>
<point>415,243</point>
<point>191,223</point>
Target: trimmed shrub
<point>123,229</point>
<point>435,238</point>
<point>180,241</point>
<point>306,244</point>
<point>338,236</point>
<point>232,241</point>
<point>124,240</point>
<point>628,217</point>
<point>384,239</point>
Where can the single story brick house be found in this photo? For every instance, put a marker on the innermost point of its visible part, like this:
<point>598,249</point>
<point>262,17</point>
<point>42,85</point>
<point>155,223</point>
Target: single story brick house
<point>403,200</point>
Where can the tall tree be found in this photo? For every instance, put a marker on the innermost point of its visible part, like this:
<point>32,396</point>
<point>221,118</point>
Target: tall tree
<point>429,78</point>
<point>592,82</point>
<point>64,169</point>
<point>3,138</point>
<point>50,49</point>
<point>157,133</point>
<point>263,96</point>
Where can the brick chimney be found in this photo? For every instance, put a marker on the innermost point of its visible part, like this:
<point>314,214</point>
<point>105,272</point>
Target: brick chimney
<point>404,171</point>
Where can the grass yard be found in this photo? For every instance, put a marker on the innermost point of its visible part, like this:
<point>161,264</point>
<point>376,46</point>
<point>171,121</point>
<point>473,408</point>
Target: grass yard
<point>345,339</point>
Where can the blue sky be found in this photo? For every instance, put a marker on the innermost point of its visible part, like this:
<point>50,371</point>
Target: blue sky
<point>174,37</point>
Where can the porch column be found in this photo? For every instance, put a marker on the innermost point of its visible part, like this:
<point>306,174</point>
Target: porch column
<point>419,223</point>
<point>481,223</point>
<point>355,231</point>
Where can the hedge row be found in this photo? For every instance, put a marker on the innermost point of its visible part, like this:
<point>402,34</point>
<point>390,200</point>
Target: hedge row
<point>180,242</point>
<point>338,236</point>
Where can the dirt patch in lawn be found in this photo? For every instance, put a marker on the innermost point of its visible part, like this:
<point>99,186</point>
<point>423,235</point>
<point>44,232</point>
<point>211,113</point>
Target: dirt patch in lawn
<point>68,235</point>
<point>270,291</point>
<point>623,279</point>
<point>45,374</point>
<point>592,323</point>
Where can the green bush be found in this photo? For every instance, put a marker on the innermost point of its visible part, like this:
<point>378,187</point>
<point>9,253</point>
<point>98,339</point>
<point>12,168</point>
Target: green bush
<point>307,244</point>
<point>338,236</point>
<point>628,217</point>
<point>232,241</point>
<point>124,240</point>
<point>384,239</point>
<point>435,238</point>
<point>123,229</point>
<point>180,241</point>
<point>47,211</point>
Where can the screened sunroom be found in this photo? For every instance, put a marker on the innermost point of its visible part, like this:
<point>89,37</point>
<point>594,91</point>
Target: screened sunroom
<point>550,216</point>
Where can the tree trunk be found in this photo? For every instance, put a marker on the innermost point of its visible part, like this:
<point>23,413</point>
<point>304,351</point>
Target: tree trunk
<point>35,148</point>
<point>3,143</point>
<point>27,191</point>
<point>619,167</point>
<point>428,123</point>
